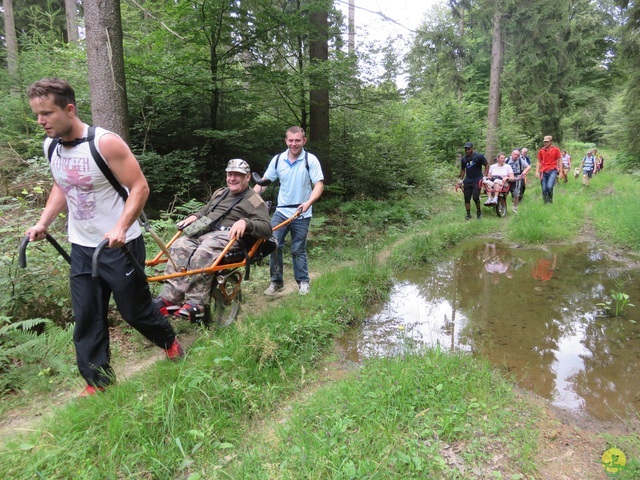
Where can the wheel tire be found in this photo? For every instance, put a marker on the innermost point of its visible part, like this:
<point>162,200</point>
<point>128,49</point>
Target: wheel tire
<point>221,312</point>
<point>501,206</point>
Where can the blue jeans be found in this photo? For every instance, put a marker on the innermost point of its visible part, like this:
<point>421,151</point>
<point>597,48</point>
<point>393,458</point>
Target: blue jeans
<point>547,182</point>
<point>298,229</point>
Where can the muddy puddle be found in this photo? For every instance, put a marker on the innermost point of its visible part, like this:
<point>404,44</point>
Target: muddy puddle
<point>530,312</point>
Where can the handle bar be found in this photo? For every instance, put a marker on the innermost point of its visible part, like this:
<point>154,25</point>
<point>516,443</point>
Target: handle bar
<point>22,252</point>
<point>257,179</point>
<point>95,261</point>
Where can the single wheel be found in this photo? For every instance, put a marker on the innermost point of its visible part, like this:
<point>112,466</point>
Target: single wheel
<point>501,206</point>
<point>222,310</point>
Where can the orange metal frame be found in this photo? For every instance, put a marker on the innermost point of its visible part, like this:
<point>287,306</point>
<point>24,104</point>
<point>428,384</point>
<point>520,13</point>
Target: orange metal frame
<point>215,266</point>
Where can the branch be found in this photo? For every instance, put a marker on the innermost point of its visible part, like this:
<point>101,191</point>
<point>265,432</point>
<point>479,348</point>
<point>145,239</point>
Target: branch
<point>380,14</point>
<point>147,12</point>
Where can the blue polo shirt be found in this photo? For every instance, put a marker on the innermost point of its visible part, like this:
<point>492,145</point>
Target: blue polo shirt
<point>296,183</point>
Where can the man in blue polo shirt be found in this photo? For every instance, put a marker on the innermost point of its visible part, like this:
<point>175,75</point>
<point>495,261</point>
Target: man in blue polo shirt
<point>301,185</point>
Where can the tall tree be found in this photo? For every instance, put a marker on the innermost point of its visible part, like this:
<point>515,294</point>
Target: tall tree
<point>319,92</point>
<point>105,59</point>
<point>497,56</point>
<point>631,48</point>
<point>12,47</point>
<point>71,14</point>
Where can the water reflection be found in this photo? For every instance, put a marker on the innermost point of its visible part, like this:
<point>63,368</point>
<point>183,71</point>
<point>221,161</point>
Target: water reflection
<point>531,312</point>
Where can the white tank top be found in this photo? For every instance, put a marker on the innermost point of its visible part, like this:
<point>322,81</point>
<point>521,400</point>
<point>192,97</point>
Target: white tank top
<point>94,205</point>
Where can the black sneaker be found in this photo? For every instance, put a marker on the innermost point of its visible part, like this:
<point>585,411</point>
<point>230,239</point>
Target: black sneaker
<point>195,313</point>
<point>479,215</point>
<point>468,217</point>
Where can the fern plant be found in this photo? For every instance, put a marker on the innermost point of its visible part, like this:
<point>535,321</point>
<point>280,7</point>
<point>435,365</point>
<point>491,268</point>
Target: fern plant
<point>32,349</point>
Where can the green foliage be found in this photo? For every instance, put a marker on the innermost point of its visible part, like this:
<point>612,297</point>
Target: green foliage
<point>42,289</point>
<point>177,173</point>
<point>628,162</point>
<point>33,351</point>
<point>577,150</point>
<point>619,302</point>
<point>385,154</point>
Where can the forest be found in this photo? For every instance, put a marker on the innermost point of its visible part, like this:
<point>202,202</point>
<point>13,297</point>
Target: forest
<point>208,80</point>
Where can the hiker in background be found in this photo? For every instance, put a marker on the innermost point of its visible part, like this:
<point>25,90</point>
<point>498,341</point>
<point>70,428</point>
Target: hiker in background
<point>473,167</point>
<point>96,211</point>
<point>588,166</point>
<point>520,169</point>
<point>566,165</point>
<point>548,166</point>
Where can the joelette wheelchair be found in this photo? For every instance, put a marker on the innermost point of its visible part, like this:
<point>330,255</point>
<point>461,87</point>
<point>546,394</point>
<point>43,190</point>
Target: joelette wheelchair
<point>226,293</point>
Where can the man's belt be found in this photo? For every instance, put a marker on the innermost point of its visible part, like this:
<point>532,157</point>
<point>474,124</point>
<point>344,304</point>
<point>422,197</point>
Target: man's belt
<point>289,206</point>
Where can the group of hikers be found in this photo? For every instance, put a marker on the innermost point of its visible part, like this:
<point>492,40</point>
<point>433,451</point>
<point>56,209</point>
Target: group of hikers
<point>98,180</point>
<point>510,175</point>
<point>476,174</point>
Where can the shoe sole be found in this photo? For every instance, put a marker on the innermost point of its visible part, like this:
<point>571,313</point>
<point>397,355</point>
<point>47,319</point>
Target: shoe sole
<point>274,293</point>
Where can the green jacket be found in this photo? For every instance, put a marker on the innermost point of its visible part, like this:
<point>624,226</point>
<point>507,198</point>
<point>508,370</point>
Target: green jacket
<point>251,208</point>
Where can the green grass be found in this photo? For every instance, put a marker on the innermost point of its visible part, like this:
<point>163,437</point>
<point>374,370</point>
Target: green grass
<point>425,415</point>
<point>617,219</point>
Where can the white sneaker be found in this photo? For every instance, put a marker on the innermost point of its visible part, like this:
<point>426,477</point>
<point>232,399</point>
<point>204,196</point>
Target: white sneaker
<point>515,209</point>
<point>304,288</point>
<point>273,289</point>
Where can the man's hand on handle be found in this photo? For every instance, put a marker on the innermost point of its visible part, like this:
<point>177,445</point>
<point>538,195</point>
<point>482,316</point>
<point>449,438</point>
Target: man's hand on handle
<point>37,232</point>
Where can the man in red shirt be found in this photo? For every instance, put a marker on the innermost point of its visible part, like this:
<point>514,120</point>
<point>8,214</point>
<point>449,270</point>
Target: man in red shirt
<point>548,167</point>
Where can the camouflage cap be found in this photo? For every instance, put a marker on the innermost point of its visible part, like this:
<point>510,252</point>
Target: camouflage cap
<point>238,165</point>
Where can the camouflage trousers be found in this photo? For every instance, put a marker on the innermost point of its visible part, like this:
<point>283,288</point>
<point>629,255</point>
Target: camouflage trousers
<point>193,253</point>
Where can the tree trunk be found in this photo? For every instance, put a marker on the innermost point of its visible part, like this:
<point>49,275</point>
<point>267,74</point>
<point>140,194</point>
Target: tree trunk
<point>71,9</point>
<point>319,93</point>
<point>497,53</point>
<point>302,91</point>
<point>105,60</point>
<point>12,47</point>
<point>460,59</point>
<point>352,27</point>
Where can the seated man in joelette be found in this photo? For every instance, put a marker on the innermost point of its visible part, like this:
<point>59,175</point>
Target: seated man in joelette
<point>231,213</point>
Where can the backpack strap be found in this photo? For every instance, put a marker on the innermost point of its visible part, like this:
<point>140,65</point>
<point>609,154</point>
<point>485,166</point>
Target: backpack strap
<point>102,165</point>
<point>52,147</point>
<point>306,164</point>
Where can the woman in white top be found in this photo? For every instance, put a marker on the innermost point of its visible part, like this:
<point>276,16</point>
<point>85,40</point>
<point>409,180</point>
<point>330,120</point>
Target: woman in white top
<point>498,174</point>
